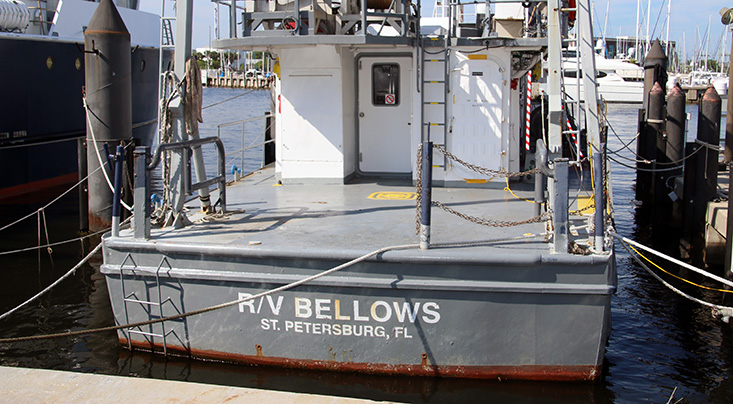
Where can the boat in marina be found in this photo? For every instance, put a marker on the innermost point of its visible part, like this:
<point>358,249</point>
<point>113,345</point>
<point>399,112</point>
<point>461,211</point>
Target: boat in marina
<point>42,66</point>
<point>618,81</point>
<point>391,235</point>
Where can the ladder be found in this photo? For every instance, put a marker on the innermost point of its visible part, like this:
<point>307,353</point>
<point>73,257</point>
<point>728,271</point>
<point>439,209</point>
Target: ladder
<point>148,306</point>
<point>434,78</point>
<point>585,64</point>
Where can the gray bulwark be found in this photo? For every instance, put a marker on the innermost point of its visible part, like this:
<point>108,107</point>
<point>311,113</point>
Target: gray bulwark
<point>509,309</point>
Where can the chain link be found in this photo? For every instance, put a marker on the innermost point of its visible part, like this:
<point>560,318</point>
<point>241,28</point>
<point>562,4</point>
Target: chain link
<point>473,219</point>
<point>483,170</point>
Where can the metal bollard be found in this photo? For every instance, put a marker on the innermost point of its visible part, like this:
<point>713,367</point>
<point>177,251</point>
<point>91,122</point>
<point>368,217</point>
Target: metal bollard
<point>540,181</point>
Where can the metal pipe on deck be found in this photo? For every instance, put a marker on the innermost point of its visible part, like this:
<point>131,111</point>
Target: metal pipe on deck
<point>141,219</point>
<point>540,181</point>
<point>426,193</point>
<point>119,159</point>
<point>560,222</point>
<point>108,98</point>
<point>599,196</point>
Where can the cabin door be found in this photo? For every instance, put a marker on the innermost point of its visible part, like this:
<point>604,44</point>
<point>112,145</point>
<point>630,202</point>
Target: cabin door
<point>384,109</point>
<point>478,113</point>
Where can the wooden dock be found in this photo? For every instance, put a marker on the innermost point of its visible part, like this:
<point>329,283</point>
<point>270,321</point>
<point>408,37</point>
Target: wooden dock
<point>21,385</point>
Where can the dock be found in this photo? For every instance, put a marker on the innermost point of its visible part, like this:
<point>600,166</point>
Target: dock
<point>22,385</point>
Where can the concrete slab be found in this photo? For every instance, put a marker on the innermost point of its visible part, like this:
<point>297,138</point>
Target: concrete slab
<point>20,385</point>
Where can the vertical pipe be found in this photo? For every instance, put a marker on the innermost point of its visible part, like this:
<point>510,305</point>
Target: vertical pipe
<point>688,190</point>
<point>729,112</point>
<point>655,70</point>
<point>560,206</point>
<point>108,99</point>
<point>363,16</point>
<point>141,218</point>
<point>119,167</point>
<point>426,195</point>
<point>729,227</point>
<point>540,182</point>
<point>655,123</point>
<point>233,19</point>
<point>646,150</point>
<point>241,156</point>
<point>600,191</point>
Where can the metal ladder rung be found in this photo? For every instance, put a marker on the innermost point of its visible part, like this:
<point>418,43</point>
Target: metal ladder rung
<point>435,60</point>
<point>150,334</point>
<point>433,124</point>
<point>434,81</point>
<point>142,302</point>
<point>570,132</point>
<point>434,103</point>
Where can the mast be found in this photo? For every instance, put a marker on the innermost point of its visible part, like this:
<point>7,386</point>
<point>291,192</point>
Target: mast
<point>636,33</point>
<point>666,41</point>
<point>648,18</point>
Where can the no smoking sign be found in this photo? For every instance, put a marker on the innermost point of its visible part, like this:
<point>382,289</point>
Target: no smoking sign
<point>389,99</point>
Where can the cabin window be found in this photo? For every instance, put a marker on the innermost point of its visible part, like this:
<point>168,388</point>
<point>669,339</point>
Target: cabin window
<point>386,84</point>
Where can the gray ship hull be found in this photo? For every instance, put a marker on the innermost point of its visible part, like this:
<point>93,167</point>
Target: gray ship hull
<point>509,310</point>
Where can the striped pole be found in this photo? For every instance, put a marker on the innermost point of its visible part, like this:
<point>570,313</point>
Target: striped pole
<point>575,138</point>
<point>529,107</point>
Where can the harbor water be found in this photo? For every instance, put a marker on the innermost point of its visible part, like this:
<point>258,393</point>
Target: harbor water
<point>661,345</point>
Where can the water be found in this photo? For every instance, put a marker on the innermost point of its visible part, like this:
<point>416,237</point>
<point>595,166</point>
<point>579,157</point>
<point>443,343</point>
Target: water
<point>659,341</point>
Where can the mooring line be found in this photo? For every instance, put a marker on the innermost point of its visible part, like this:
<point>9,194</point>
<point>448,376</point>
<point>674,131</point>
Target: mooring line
<point>246,299</point>
<point>49,287</point>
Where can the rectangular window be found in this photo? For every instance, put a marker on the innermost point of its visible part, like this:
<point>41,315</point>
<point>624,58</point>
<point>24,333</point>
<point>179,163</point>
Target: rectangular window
<point>386,84</point>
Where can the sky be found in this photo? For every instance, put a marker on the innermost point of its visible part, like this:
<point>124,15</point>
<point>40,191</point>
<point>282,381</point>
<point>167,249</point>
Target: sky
<point>687,17</point>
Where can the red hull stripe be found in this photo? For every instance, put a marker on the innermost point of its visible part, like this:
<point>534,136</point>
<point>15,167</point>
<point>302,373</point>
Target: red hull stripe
<point>35,186</point>
<point>525,372</point>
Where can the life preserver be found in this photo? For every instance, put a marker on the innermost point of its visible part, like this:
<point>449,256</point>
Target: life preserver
<point>572,13</point>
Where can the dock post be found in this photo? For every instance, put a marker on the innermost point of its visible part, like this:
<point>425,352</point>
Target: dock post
<point>108,99</point>
<point>655,71</point>
<point>560,206</point>
<point>646,150</point>
<point>655,125</point>
<point>599,195</point>
<point>675,151</point>
<point>706,182</point>
<point>426,195</point>
<point>141,217</point>
<point>119,160</point>
<point>540,182</point>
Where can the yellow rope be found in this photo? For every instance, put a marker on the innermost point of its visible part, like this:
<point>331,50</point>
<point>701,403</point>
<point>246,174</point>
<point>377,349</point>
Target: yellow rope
<point>507,189</point>
<point>680,278</point>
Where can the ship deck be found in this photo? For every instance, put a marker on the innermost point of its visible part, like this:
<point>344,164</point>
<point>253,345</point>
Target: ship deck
<point>366,214</point>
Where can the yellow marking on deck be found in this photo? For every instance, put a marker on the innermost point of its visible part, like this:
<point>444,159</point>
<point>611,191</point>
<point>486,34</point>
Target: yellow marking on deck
<point>586,205</point>
<point>477,57</point>
<point>393,196</point>
<point>476,181</point>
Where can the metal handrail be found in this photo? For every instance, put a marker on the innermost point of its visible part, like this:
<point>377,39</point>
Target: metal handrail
<point>241,122</point>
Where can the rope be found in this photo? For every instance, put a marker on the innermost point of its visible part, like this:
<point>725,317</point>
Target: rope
<point>57,243</point>
<point>50,203</point>
<point>212,308</point>
<point>49,287</point>
<point>678,277</point>
<point>673,260</point>
<point>99,156</point>
<point>716,308</point>
<point>262,294</point>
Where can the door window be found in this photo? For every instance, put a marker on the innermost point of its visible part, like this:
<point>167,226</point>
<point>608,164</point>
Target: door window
<point>386,84</point>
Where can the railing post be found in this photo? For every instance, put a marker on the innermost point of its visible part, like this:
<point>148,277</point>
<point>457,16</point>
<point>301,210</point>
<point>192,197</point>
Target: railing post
<point>119,158</point>
<point>426,194</point>
<point>560,206</point>
<point>599,200</point>
<point>141,217</point>
<point>540,182</point>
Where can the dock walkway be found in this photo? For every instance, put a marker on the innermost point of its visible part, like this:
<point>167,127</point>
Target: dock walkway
<point>21,385</point>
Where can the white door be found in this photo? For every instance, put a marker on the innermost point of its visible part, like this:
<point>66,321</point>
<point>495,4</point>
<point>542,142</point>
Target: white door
<point>477,115</point>
<point>385,104</point>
